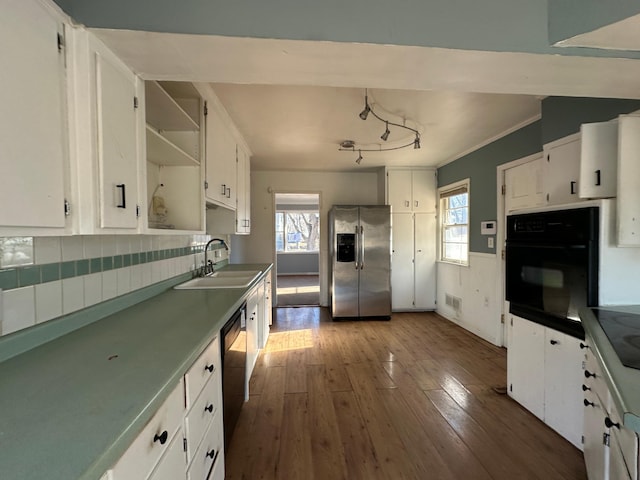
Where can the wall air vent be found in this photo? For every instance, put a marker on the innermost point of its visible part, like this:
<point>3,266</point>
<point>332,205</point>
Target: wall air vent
<point>453,301</point>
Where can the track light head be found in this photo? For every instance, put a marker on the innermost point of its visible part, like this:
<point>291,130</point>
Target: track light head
<point>359,159</point>
<point>365,113</point>
<point>386,133</point>
<point>416,142</point>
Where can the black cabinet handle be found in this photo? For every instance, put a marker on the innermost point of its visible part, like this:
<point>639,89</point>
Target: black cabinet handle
<point>583,345</point>
<point>211,368</point>
<point>610,423</point>
<point>597,178</point>
<point>211,454</point>
<point>228,192</point>
<point>223,190</point>
<point>588,374</point>
<point>553,342</point>
<point>209,408</point>
<point>162,438</point>
<point>585,388</point>
<point>573,188</point>
<point>587,403</point>
<point>123,195</point>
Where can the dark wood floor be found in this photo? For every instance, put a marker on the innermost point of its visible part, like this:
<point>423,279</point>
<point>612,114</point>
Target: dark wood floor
<point>407,399</point>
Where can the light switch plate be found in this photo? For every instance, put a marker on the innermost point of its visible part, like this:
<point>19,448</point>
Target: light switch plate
<point>490,242</point>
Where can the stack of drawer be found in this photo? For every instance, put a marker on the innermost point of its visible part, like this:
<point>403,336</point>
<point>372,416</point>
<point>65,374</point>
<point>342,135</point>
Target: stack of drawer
<point>184,439</point>
<point>610,449</point>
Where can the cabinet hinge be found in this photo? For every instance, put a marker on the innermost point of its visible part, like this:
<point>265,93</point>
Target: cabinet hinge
<point>502,318</point>
<point>605,439</point>
<point>548,157</point>
<point>206,109</point>
<point>206,185</point>
<point>184,444</point>
<point>502,254</point>
<point>60,42</point>
<point>504,189</point>
<point>512,321</point>
<point>135,102</point>
<point>582,439</point>
<point>511,387</point>
<point>137,211</point>
<point>67,208</point>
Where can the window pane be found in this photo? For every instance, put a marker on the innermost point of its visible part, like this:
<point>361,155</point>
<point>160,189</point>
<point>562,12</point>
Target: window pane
<point>279,242</point>
<point>455,234</point>
<point>455,230</point>
<point>301,231</point>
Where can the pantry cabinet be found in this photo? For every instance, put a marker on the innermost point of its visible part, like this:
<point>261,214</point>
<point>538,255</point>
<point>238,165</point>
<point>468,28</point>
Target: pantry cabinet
<point>33,126</point>
<point>412,196</point>
<point>174,172</point>
<point>544,371</point>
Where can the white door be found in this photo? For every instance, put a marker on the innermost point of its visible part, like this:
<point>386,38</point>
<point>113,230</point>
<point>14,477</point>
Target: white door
<point>563,385</point>
<point>525,365</point>
<point>423,186</point>
<point>425,261</point>
<point>402,285</point>
<point>399,190</point>
<point>33,106</point>
<point>117,148</point>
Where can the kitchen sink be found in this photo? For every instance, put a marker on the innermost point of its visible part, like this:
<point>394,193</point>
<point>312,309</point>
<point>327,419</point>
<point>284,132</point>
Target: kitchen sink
<point>230,279</point>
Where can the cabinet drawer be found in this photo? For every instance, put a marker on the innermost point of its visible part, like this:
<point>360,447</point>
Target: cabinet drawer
<point>618,468</point>
<point>206,366</point>
<point>594,380</point>
<point>140,458</point>
<point>626,440</point>
<point>204,410</point>
<point>210,453</point>
<point>218,471</point>
<point>172,465</point>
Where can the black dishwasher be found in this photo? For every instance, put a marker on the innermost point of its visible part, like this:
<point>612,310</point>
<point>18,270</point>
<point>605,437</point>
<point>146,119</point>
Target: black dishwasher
<point>234,365</point>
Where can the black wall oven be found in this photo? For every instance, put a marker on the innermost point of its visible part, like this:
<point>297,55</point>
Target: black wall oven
<point>552,266</point>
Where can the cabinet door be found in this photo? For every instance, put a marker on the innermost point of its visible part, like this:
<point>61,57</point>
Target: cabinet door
<point>525,364</point>
<point>628,205</point>
<point>252,335</point>
<point>172,465</point>
<point>423,188</point>
<point>221,161</point>
<point>243,212</point>
<point>32,125</point>
<point>596,453</point>
<point>399,190</point>
<point>598,159</point>
<point>117,147</point>
<point>425,261</point>
<point>562,169</point>
<point>563,377</point>
<point>523,186</point>
<point>402,285</point>
<point>618,468</point>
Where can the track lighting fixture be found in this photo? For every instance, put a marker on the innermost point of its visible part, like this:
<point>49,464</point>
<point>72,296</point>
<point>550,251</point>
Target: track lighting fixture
<point>350,145</point>
<point>386,133</point>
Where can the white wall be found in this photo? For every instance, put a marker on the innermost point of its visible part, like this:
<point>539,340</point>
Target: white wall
<point>477,286</point>
<point>344,188</point>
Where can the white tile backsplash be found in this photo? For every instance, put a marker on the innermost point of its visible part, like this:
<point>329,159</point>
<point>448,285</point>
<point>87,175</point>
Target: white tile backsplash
<point>92,289</point>
<point>48,301</point>
<point>123,244</point>
<point>19,309</point>
<point>92,246</point>
<point>136,277</point>
<point>123,280</point>
<point>109,245</point>
<point>72,248</point>
<point>109,284</point>
<point>47,250</point>
<point>72,294</point>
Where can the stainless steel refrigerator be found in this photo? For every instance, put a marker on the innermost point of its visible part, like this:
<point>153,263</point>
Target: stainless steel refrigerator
<point>360,248</point>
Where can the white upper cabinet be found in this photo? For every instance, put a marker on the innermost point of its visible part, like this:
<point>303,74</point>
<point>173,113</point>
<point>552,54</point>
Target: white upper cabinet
<point>243,212</point>
<point>411,190</point>
<point>628,212</point>
<point>33,126</point>
<point>105,132</point>
<point>598,159</point>
<point>562,170</point>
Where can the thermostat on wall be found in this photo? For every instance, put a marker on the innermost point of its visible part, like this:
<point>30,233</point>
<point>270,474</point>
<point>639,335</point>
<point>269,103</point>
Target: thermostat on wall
<point>488,228</point>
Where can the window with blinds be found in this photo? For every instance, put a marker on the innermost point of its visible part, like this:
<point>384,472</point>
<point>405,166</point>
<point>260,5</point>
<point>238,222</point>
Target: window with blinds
<point>454,226</point>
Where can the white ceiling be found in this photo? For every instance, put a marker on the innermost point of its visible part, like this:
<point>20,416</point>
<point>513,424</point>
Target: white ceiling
<point>295,101</point>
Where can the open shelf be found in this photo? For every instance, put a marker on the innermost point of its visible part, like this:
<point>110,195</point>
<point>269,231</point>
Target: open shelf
<point>164,113</point>
<point>163,152</point>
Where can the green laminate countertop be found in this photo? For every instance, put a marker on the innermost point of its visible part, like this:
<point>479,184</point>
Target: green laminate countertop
<point>71,407</point>
<point>623,382</point>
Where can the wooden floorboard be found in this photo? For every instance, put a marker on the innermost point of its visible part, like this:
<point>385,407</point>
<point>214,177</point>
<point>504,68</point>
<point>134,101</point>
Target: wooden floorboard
<point>411,398</point>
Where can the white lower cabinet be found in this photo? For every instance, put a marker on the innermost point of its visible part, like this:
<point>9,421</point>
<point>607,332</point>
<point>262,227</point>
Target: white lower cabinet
<point>610,449</point>
<point>544,372</point>
<point>252,335</point>
<point>185,437</point>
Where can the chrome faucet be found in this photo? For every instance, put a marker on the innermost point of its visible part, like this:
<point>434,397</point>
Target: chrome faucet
<point>208,266</point>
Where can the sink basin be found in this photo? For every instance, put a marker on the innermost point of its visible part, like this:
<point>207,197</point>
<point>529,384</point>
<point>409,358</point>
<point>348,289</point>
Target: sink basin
<point>237,279</point>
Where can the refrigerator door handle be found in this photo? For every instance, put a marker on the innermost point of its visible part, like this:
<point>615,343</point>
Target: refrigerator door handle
<point>361,247</point>
<point>357,249</point>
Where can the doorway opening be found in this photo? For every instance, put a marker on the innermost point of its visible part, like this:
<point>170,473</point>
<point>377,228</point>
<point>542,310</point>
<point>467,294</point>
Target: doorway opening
<point>297,235</point>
